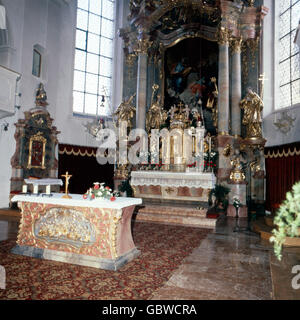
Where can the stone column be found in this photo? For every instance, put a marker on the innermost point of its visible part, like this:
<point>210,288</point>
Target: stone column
<point>236,87</point>
<point>141,91</point>
<point>223,99</point>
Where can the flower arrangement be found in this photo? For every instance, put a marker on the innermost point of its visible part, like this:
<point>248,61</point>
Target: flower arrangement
<point>236,203</point>
<point>100,191</point>
<point>210,160</point>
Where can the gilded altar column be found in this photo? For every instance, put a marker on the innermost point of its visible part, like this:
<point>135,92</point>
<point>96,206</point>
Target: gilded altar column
<point>236,91</point>
<point>223,99</point>
<point>141,96</point>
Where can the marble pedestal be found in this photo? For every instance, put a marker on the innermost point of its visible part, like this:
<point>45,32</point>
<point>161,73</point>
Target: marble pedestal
<point>237,190</point>
<point>94,233</point>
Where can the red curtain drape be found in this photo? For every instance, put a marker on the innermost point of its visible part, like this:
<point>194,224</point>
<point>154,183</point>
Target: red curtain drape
<point>82,164</point>
<point>282,172</point>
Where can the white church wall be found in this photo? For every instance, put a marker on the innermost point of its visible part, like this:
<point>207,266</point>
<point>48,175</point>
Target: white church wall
<point>29,22</point>
<point>50,24</point>
<point>270,64</point>
<point>71,127</point>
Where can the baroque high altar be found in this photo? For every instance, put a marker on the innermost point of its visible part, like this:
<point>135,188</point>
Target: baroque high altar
<point>193,67</point>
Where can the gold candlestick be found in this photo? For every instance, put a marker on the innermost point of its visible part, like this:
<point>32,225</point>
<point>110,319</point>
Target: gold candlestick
<point>67,176</point>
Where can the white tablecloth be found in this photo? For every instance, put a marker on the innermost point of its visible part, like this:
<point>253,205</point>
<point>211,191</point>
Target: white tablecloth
<point>78,201</point>
<point>44,182</point>
<point>173,179</point>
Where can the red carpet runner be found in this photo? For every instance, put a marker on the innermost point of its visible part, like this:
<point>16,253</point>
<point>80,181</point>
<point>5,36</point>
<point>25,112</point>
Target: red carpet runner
<point>163,249</point>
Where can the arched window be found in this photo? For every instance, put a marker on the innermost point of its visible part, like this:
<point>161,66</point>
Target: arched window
<point>289,60</point>
<point>93,57</point>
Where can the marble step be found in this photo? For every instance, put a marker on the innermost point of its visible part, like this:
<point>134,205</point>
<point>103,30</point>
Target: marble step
<point>175,216</point>
<point>269,220</point>
<point>178,211</point>
<point>265,232</point>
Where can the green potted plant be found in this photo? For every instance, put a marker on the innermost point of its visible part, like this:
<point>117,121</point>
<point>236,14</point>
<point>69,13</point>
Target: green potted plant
<point>287,220</point>
<point>220,195</point>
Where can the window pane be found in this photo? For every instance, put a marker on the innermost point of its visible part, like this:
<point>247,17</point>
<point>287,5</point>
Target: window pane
<point>295,15</point>
<point>83,4</point>
<point>284,69</point>
<point>296,92</point>
<point>107,28</point>
<point>285,96</point>
<point>79,80</point>
<point>80,57</point>
<point>91,83</point>
<point>90,103</point>
<point>82,19</point>
<point>295,67</point>
<point>105,64</point>
<point>94,24</point>
<point>95,6</point>
<point>80,39</point>
<point>78,98</point>
<point>285,48</point>
<point>92,64</point>
<point>108,9</point>
<point>105,85</point>
<point>93,43</point>
<point>104,107</point>
<point>106,47</point>
<point>295,47</point>
<point>284,5</point>
<point>94,48</point>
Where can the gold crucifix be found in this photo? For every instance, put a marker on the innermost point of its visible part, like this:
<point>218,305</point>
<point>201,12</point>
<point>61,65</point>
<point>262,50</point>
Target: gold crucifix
<point>67,176</point>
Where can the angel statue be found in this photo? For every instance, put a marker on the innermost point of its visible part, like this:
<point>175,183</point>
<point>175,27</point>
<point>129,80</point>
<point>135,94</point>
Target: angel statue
<point>252,105</point>
<point>126,112</point>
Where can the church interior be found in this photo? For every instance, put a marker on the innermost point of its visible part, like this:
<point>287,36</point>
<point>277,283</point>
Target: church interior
<point>150,150</point>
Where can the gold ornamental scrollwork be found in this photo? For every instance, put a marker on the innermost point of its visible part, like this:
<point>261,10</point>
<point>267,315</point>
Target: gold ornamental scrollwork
<point>227,150</point>
<point>235,45</point>
<point>223,36</point>
<point>143,45</point>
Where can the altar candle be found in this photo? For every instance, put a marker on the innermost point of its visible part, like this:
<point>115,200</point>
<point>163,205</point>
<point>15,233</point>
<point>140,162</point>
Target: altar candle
<point>209,144</point>
<point>35,189</point>
<point>24,188</point>
<point>48,190</point>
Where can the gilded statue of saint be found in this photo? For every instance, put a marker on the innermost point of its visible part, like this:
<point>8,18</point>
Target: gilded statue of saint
<point>41,96</point>
<point>125,112</point>
<point>252,105</point>
<point>212,101</point>
<point>155,116</point>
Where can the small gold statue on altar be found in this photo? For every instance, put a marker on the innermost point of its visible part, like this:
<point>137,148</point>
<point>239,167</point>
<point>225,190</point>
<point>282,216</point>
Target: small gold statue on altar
<point>252,105</point>
<point>67,177</point>
<point>126,112</point>
<point>212,102</point>
<point>237,174</point>
<point>41,96</point>
<point>156,116</point>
